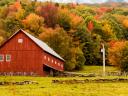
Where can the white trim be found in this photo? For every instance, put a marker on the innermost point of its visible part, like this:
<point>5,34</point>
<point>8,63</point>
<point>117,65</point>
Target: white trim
<point>52,61</point>
<point>20,40</point>
<point>62,65</point>
<point>7,57</point>
<point>59,64</point>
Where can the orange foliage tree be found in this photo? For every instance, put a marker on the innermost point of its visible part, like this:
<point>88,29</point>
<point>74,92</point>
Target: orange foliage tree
<point>115,52</point>
<point>34,23</point>
<point>50,13</point>
<point>75,20</point>
<point>125,22</point>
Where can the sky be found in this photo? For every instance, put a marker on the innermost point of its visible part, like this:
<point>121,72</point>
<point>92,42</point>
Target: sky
<point>84,1</point>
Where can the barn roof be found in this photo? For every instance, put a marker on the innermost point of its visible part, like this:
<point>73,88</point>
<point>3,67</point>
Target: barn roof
<point>43,45</point>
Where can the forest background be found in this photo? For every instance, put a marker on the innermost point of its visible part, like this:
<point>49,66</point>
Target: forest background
<point>75,31</point>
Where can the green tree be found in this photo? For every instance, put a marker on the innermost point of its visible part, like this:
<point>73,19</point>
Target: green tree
<point>12,25</point>
<point>90,49</point>
<point>6,2</point>
<point>117,28</point>
<point>64,19</point>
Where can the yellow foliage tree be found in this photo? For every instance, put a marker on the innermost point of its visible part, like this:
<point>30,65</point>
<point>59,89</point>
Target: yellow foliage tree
<point>108,33</point>
<point>75,20</point>
<point>115,52</point>
<point>34,23</point>
<point>125,23</point>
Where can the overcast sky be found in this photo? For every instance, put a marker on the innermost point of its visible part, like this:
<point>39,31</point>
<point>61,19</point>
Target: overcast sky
<point>84,1</point>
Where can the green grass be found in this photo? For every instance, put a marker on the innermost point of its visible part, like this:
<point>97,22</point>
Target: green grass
<point>47,88</point>
<point>97,69</point>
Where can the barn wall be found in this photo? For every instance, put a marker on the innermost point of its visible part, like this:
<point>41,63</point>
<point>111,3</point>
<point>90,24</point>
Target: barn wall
<point>26,57</point>
<point>52,61</point>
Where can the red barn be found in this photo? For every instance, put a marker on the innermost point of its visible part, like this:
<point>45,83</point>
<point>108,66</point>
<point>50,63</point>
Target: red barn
<point>23,54</point>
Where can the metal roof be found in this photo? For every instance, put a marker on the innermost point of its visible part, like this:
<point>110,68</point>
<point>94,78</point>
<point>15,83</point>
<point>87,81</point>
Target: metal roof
<point>42,45</point>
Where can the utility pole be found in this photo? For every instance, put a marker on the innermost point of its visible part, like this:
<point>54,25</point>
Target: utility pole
<point>103,51</point>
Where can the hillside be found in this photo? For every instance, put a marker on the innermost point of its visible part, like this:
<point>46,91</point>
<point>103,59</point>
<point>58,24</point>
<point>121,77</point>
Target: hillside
<point>74,31</point>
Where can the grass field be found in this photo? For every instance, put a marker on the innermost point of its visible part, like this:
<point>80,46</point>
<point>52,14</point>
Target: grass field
<point>97,69</point>
<point>47,88</point>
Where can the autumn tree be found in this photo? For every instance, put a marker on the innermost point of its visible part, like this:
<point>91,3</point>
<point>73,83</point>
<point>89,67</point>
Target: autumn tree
<point>125,23</point>
<point>118,55</point>
<point>6,2</point>
<point>34,23</point>
<point>115,52</point>
<point>59,40</point>
<point>117,28</point>
<point>106,31</point>
<point>75,20</point>
<point>90,49</point>
<point>12,25</point>
<point>64,19</point>
<point>50,13</point>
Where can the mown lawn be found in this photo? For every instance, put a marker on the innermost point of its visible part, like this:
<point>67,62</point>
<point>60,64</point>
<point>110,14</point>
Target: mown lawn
<point>47,88</point>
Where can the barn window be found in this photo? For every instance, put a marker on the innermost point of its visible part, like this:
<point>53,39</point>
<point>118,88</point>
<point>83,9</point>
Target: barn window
<point>8,57</point>
<point>52,60</point>
<point>55,62</point>
<point>58,64</point>
<point>1,57</point>
<point>62,65</point>
<point>48,59</point>
<point>45,57</point>
<point>20,40</point>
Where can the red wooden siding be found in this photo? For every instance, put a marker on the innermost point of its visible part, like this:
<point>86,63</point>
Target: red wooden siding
<point>27,56</point>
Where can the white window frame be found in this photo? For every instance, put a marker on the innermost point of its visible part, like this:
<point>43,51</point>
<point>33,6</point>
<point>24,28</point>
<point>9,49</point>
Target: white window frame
<point>7,58</point>
<point>2,57</point>
<point>48,59</point>
<point>52,61</point>
<point>45,57</point>
<point>20,40</point>
<point>59,64</point>
<point>62,65</point>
